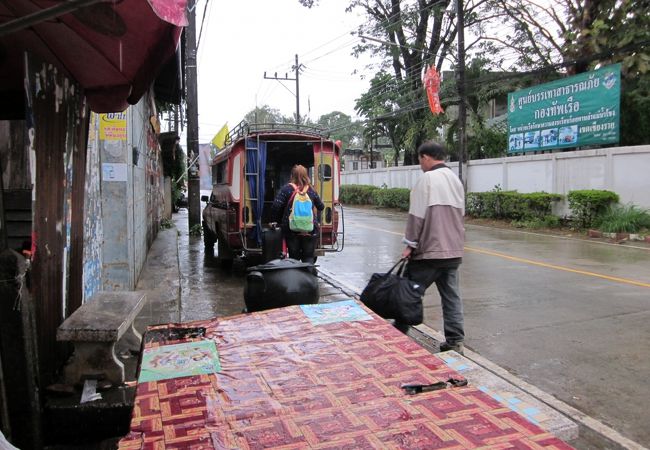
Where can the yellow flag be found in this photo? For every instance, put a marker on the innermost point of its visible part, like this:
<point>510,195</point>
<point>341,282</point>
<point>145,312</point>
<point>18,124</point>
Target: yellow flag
<point>219,139</point>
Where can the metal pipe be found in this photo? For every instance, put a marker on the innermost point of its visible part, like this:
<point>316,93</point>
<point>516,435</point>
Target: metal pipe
<point>44,14</point>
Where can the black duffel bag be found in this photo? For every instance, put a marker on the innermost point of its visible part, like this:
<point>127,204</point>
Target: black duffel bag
<point>393,296</point>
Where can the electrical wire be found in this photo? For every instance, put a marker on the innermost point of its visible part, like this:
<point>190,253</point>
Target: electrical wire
<point>198,41</point>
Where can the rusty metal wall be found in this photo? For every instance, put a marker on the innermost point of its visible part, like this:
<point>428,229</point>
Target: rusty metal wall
<point>16,184</point>
<point>57,117</point>
<point>14,159</point>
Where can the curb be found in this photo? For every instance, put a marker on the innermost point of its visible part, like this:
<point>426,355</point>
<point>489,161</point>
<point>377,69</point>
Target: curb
<point>619,236</point>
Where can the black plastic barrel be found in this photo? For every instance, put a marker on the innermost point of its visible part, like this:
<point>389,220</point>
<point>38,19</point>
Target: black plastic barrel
<point>279,283</point>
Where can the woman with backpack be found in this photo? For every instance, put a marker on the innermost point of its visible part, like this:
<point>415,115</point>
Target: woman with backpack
<point>293,209</point>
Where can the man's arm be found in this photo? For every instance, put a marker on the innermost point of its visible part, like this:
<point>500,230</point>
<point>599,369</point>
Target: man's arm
<point>415,220</point>
<point>412,234</point>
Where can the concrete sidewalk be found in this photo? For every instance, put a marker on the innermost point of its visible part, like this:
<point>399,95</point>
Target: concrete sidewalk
<point>162,279</point>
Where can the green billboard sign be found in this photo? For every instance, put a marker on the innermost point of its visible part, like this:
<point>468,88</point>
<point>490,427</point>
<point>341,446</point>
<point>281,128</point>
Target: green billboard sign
<point>571,112</point>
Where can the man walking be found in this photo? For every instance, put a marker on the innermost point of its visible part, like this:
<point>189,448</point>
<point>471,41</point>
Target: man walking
<point>435,236</point>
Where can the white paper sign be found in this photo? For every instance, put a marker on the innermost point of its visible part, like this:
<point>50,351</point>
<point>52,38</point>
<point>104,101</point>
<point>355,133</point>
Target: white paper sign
<point>113,172</point>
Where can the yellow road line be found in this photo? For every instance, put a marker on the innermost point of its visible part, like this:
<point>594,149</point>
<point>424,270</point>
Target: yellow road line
<point>378,229</point>
<point>556,267</point>
<point>534,263</point>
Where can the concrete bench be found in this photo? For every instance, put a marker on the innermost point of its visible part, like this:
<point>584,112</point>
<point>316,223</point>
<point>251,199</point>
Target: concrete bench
<point>95,328</point>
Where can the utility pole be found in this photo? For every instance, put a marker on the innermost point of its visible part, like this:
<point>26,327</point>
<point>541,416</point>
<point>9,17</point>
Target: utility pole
<point>193,181</point>
<point>460,83</point>
<point>296,68</point>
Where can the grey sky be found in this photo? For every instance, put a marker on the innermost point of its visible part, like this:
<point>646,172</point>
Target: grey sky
<point>243,39</point>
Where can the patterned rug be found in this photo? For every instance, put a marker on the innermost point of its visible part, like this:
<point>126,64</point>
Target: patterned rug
<point>319,376</point>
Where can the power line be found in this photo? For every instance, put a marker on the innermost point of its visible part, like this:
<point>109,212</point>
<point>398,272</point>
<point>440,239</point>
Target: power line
<point>198,41</point>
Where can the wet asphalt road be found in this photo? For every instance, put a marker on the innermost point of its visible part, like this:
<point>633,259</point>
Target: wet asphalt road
<point>566,315</point>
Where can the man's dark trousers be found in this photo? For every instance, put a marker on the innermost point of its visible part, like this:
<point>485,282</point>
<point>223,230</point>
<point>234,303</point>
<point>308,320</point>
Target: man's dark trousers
<point>429,271</point>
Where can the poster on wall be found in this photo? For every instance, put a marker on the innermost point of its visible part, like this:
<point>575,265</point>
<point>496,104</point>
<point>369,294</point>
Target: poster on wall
<point>572,112</point>
<point>112,126</point>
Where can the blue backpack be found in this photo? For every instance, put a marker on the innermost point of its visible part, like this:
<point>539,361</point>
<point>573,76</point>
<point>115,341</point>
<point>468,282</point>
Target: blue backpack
<point>301,217</point>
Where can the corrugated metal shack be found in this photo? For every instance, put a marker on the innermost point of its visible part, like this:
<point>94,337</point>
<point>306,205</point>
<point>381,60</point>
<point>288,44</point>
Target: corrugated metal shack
<point>59,214</point>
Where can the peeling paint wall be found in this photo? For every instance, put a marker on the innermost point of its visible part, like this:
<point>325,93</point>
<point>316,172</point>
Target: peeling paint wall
<point>132,196</point>
<point>117,202</point>
<point>147,187</point>
<point>93,229</point>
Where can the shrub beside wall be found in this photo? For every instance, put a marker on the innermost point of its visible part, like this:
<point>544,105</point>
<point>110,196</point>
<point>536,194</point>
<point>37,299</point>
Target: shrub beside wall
<point>392,198</point>
<point>496,204</point>
<point>587,205</point>
<point>359,194</point>
<point>510,205</point>
<point>531,210</point>
<point>356,194</point>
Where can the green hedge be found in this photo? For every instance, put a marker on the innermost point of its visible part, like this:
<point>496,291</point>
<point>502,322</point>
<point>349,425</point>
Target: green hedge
<point>391,198</point>
<point>587,205</point>
<point>510,205</point>
<point>356,194</point>
<point>360,194</point>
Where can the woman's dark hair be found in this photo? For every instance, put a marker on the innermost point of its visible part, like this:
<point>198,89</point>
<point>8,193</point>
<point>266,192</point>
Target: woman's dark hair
<point>433,149</point>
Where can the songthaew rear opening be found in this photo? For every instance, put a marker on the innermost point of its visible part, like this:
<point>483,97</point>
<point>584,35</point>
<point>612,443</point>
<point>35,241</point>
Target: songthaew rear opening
<point>280,159</point>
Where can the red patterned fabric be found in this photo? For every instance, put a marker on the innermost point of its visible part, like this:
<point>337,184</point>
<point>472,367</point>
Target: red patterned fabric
<point>287,383</point>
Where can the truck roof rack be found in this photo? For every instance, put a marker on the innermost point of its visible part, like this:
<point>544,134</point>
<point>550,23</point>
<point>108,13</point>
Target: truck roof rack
<point>244,129</point>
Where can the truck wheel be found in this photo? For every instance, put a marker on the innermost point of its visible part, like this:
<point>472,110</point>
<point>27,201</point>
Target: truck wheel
<point>225,254</point>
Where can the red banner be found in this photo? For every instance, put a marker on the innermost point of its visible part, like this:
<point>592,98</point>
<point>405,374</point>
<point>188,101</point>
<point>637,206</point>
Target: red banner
<point>432,86</point>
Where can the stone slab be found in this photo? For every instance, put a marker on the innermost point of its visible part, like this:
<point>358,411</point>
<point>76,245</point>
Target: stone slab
<point>104,318</point>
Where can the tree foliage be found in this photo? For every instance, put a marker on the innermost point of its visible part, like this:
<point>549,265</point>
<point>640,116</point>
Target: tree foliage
<point>381,106</point>
<point>574,36</point>
<point>266,114</point>
<point>529,41</point>
<point>406,38</point>
<point>343,128</point>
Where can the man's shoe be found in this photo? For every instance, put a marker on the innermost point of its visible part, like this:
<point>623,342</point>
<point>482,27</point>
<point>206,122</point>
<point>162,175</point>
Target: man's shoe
<point>458,347</point>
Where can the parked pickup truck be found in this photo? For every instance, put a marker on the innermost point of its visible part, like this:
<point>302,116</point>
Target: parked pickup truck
<point>251,169</point>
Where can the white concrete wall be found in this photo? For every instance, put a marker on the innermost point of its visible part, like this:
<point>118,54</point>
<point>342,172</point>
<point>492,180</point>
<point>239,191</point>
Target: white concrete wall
<point>624,170</point>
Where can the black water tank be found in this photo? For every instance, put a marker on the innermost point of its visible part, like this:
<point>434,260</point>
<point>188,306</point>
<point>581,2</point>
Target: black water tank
<point>278,283</point>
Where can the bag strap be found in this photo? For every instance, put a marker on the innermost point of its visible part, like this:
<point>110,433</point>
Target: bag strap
<point>296,190</point>
<point>401,269</point>
<point>291,197</point>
